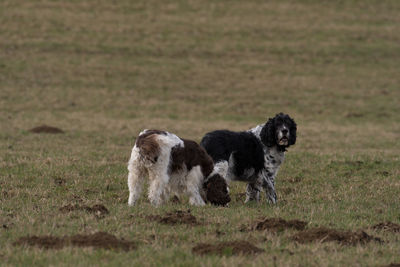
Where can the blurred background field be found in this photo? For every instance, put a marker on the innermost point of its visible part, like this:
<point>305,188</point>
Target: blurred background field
<point>104,70</point>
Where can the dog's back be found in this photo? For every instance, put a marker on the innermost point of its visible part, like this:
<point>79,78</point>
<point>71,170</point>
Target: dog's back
<point>190,155</point>
<point>246,149</point>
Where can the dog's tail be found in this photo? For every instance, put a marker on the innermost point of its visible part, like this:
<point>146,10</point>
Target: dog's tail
<point>149,148</point>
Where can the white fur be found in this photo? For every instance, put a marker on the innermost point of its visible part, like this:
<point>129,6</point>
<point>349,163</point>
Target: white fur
<point>162,183</point>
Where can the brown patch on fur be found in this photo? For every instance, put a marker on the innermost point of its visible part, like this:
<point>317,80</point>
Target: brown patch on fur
<point>46,129</point>
<point>227,248</point>
<point>96,240</point>
<point>148,145</point>
<point>175,217</point>
<point>323,234</point>
<point>191,155</point>
<point>275,225</point>
<point>387,226</point>
<point>216,190</point>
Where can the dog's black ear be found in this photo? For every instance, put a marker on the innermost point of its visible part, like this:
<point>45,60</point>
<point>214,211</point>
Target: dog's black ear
<point>267,134</point>
<point>292,130</point>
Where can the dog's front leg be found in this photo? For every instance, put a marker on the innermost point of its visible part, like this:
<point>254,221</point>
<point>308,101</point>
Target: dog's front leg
<point>269,186</point>
<point>194,183</point>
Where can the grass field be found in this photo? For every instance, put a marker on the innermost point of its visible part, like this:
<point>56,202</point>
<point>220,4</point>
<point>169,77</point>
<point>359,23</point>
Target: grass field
<point>104,70</point>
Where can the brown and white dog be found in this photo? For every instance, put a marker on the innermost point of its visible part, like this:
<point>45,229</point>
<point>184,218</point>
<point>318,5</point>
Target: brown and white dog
<point>174,166</point>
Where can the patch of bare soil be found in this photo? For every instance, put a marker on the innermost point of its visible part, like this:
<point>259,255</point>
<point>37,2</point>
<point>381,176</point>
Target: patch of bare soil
<point>323,234</point>
<point>387,226</point>
<point>46,129</point>
<point>216,191</point>
<point>101,240</point>
<point>274,224</point>
<point>175,217</point>
<point>227,248</point>
<point>97,240</point>
<point>392,265</point>
<point>99,210</point>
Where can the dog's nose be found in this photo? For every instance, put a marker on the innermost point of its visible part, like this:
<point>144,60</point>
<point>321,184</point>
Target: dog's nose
<point>285,131</point>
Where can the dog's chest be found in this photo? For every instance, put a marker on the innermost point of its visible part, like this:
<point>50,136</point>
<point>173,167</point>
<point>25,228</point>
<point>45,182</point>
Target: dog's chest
<point>273,159</point>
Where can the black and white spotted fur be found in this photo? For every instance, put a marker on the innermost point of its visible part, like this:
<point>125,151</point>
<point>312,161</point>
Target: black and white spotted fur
<point>253,156</point>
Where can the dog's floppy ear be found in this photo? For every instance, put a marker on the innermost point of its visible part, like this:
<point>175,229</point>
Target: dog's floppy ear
<point>206,184</point>
<point>267,134</point>
<point>292,130</point>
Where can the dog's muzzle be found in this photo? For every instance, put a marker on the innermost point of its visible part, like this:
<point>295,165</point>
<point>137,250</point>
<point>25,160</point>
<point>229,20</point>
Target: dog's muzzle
<point>284,141</point>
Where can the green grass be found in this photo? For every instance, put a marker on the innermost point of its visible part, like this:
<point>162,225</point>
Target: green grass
<point>103,71</point>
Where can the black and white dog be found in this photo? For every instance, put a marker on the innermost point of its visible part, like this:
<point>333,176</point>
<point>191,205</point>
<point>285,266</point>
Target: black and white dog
<point>253,156</point>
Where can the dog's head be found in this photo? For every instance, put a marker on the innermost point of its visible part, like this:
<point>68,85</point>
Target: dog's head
<point>217,192</point>
<point>279,131</point>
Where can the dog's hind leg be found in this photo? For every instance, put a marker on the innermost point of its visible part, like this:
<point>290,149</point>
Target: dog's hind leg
<point>157,187</point>
<point>135,181</point>
<point>253,191</point>
<point>194,183</point>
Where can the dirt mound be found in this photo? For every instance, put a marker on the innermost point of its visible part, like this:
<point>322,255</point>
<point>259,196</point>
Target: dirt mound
<point>323,234</point>
<point>175,217</point>
<point>274,224</point>
<point>216,190</point>
<point>46,129</point>
<point>101,240</point>
<point>227,248</point>
<point>387,226</point>
<point>98,209</point>
<point>96,240</point>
